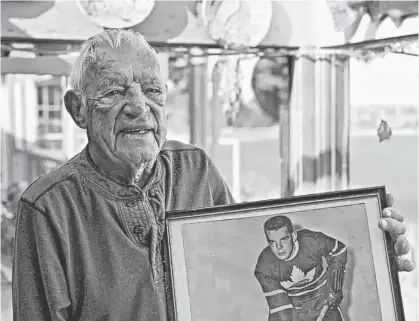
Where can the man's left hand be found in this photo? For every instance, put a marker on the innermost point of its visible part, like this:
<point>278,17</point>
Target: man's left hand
<point>393,223</point>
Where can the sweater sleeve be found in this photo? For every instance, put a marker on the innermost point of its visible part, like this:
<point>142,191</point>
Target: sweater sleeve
<point>279,303</point>
<point>40,289</point>
<point>333,250</point>
<point>336,256</point>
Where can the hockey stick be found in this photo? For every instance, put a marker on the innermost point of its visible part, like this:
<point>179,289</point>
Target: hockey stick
<point>322,313</point>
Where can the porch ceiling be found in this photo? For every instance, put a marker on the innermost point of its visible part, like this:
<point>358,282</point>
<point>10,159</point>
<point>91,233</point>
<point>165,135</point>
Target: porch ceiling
<point>170,22</point>
<point>47,65</point>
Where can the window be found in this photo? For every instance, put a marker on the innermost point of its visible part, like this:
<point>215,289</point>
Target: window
<point>50,131</point>
<point>54,131</point>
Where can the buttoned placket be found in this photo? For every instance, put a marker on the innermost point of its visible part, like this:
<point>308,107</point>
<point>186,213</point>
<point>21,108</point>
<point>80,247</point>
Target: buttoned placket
<point>155,197</point>
<point>142,224</point>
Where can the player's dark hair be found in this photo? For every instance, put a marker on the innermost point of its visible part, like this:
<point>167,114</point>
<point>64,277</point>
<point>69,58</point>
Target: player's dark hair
<point>277,222</point>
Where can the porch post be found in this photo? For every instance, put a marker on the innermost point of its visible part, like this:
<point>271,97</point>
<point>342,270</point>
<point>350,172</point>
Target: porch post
<point>8,144</point>
<point>198,113</point>
<point>318,125</point>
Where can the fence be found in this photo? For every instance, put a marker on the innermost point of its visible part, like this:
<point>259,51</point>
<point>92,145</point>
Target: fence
<point>22,163</point>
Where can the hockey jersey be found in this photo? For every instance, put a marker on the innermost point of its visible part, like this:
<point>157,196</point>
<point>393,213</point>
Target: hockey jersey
<point>300,283</point>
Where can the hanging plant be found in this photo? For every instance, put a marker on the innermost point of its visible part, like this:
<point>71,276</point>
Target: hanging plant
<point>237,24</point>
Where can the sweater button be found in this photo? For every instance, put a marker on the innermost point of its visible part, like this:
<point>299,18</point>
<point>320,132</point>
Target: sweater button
<point>130,203</point>
<point>137,229</point>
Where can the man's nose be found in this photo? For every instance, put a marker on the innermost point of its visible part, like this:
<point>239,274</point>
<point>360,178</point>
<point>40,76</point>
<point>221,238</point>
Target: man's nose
<point>136,105</point>
<point>276,246</point>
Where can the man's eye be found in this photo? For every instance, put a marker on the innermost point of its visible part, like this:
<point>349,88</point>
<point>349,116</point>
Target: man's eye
<point>153,91</point>
<point>112,93</point>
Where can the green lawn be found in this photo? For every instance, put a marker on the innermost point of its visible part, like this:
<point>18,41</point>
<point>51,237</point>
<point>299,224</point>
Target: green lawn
<point>393,163</point>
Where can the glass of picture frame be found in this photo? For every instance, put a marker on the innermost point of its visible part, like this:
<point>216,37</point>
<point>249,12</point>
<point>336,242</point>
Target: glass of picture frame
<point>315,257</point>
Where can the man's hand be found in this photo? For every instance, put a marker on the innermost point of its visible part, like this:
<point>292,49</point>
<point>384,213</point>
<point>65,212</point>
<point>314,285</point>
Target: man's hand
<point>393,223</point>
<point>335,298</point>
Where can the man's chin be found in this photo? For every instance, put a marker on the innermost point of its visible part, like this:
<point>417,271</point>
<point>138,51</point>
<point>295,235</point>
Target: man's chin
<point>138,157</point>
<point>282,257</point>
<point>138,148</point>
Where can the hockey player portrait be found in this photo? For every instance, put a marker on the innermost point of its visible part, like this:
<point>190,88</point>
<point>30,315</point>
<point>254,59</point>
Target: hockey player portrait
<point>293,278</point>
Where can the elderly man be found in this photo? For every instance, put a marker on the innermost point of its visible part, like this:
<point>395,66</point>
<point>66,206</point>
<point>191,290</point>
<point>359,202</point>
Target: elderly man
<point>88,239</point>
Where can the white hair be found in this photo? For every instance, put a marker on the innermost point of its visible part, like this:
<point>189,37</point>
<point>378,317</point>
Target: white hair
<point>88,52</point>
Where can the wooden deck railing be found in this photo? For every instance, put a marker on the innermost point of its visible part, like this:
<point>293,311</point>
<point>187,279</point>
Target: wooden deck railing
<point>39,162</point>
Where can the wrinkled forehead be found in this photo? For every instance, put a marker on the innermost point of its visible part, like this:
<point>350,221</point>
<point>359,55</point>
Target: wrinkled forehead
<point>127,59</point>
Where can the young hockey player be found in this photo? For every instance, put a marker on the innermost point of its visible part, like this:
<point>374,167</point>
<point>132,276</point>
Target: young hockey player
<point>290,271</point>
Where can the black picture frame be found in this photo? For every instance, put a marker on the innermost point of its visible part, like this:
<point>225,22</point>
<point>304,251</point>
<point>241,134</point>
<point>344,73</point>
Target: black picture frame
<point>177,239</point>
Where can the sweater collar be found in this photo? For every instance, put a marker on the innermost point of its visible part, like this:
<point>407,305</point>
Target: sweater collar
<point>91,173</point>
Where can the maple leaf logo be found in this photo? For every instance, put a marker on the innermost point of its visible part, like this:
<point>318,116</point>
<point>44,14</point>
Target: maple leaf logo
<point>298,277</point>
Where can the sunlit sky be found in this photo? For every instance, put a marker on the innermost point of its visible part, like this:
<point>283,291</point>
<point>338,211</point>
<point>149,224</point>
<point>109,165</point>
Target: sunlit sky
<point>391,80</point>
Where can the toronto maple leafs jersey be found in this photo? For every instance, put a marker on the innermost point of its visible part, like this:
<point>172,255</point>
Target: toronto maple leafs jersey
<point>301,281</point>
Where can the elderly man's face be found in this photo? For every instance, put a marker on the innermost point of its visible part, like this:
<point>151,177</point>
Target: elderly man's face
<point>126,97</point>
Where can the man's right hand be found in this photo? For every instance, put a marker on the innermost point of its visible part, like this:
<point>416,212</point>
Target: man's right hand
<point>335,298</point>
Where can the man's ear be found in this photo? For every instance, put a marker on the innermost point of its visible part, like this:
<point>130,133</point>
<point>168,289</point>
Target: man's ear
<point>75,108</point>
<point>294,236</point>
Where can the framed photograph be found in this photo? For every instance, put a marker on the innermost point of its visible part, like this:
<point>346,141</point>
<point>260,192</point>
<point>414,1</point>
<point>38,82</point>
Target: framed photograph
<point>313,257</point>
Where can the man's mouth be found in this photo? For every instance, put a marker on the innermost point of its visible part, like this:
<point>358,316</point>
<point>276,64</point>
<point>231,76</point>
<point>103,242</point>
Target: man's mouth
<point>140,130</point>
<point>136,131</point>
